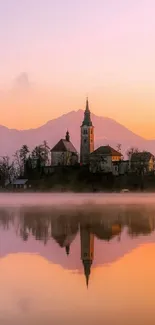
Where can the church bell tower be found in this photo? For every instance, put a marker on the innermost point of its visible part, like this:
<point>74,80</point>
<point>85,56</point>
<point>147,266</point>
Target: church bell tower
<point>87,136</point>
<point>87,250</point>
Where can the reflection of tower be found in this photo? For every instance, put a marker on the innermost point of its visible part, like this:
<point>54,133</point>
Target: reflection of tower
<point>87,250</point>
<point>67,249</point>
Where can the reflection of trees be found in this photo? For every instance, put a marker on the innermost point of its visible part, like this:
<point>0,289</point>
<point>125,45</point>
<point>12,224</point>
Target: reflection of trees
<point>136,228</point>
<point>36,223</point>
<point>139,221</point>
<point>43,224</point>
<point>105,222</point>
<point>107,233</point>
<point>6,218</point>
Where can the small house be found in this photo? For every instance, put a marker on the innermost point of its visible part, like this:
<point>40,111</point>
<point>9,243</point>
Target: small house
<point>142,161</point>
<point>20,184</point>
<point>103,160</point>
<point>120,167</point>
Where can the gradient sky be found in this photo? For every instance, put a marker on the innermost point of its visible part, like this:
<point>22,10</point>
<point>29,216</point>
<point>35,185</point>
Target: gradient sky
<point>70,49</point>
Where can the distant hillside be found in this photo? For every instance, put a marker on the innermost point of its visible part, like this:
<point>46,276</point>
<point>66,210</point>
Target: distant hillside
<point>107,131</point>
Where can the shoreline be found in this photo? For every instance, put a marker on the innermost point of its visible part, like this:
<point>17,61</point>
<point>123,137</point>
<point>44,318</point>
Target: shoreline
<point>84,191</point>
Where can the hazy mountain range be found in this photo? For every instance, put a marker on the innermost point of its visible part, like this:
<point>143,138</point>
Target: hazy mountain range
<point>107,131</point>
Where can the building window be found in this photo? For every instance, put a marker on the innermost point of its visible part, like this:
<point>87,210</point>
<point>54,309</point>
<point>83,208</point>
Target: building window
<point>85,131</point>
<point>85,140</point>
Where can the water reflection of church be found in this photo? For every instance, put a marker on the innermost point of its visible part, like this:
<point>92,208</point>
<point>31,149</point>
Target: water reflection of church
<point>87,250</point>
<point>64,227</point>
<point>87,243</point>
<point>64,233</point>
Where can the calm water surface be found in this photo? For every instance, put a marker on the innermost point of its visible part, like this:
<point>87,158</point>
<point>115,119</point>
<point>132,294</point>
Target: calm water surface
<point>77,259</point>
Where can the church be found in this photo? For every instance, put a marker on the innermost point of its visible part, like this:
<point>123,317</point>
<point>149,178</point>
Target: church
<point>103,159</point>
<point>87,136</point>
<point>64,153</point>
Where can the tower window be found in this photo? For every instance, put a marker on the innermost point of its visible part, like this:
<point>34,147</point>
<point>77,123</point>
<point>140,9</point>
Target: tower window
<point>91,131</point>
<point>85,140</point>
<point>84,131</point>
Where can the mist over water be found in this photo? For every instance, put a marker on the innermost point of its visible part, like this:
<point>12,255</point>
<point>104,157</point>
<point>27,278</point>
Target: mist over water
<point>54,199</point>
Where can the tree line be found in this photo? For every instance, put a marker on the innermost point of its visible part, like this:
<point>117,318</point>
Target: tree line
<point>12,168</point>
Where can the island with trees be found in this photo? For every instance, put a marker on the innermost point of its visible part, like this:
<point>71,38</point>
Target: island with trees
<point>31,170</point>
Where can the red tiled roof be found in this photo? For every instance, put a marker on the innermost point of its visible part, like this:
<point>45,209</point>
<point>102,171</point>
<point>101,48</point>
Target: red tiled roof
<point>106,150</point>
<point>64,145</point>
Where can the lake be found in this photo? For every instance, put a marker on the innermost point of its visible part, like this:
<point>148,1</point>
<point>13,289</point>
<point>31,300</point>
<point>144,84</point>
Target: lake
<point>77,259</point>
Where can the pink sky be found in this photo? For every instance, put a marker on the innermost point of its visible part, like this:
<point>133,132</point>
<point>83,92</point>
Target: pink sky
<point>70,49</point>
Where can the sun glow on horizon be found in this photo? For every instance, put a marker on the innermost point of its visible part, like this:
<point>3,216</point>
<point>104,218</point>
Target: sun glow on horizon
<point>69,50</point>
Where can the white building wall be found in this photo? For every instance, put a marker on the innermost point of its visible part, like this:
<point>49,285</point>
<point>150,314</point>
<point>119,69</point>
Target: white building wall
<point>106,164</point>
<point>63,158</point>
<point>101,163</point>
<point>58,158</point>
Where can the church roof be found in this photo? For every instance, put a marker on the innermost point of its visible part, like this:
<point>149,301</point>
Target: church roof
<point>64,146</point>
<point>64,240</point>
<point>87,270</point>
<point>87,118</point>
<point>106,150</point>
<point>107,233</point>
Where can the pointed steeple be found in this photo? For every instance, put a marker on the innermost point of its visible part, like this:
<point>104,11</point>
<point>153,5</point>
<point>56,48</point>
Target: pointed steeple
<point>67,136</point>
<point>87,250</point>
<point>87,269</point>
<point>67,249</point>
<point>87,104</point>
<point>87,119</point>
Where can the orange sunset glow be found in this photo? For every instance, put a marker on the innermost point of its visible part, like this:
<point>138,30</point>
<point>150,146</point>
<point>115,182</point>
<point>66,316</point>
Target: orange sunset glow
<point>33,286</point>
<point>77,162</point>
<point>54,54</point>
<point>33,108</point>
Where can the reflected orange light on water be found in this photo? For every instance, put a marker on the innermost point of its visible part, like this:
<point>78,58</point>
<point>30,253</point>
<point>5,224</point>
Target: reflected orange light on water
<point>32,288</point>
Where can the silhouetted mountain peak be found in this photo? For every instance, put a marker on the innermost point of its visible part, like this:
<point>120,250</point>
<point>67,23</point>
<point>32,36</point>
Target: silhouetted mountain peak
<point>107,131</point>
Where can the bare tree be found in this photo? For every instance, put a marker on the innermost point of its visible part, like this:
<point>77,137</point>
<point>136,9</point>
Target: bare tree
<point>23,152</point>
<point>41,154</point>
<point>131,150</point>
<point>47,151</point>
<point>20,159</point>
<point>19,163</point>
<point>119,147</point>
<point>7,170</point>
